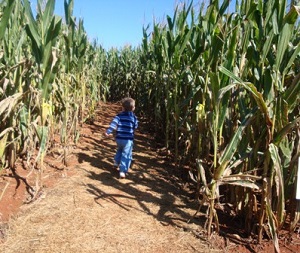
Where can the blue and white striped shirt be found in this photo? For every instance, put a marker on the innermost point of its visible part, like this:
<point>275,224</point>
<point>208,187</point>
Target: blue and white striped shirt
<point>124,123</point>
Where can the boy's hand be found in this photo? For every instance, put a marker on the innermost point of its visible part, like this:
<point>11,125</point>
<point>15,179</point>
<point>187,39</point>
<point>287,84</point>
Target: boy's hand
<point>103,136</point>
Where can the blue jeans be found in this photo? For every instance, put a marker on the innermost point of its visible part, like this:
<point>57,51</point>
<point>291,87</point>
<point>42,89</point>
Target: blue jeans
<point>123,155</point>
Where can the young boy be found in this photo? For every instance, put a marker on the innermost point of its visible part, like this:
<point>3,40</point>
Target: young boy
<point>124,123</point>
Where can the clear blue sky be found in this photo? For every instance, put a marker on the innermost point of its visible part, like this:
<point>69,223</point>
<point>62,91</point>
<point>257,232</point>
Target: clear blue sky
<point>115,23</point>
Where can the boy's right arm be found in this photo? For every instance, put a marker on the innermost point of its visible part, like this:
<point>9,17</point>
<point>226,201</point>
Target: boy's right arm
<point>113,126</point>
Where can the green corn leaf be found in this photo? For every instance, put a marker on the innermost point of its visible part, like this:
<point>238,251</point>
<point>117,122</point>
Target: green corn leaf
<point>275,23</point>
<point>24,120</point>
<point>231,52</point>
<point>252,89</point>
<point>42,133</point>
<point>292,59</point>
<point>170,45</point>
<point>279,182</point>
<point>282,45</point>
<point>286,130</point>
<point>267,46</point>
<point>32,26</point>
<point>272,225</point>
<point>69,5</point>
<point>292,16</point>
<point>52,34</point>
<point>170,23</point>
<point>198,49</point>
<point>224,7</point>
<point>223,90</point>
<point>231,148</point>
<point>215,86</point>
<point>286,148</point>
<point>48,14</point>
<point>292,94</point>
<point>187,36</point>
<point>260,102</point>
<point>5,17</point>
<point>281,7</point>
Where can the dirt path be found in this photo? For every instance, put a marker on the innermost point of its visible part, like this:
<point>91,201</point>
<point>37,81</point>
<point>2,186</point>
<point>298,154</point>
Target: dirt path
<point>94,211</point>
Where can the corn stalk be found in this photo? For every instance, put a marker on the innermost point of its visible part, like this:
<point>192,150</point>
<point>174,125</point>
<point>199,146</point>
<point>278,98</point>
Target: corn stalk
<point>43,33</point>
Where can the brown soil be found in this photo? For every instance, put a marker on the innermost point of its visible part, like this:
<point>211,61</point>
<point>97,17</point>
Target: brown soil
<point>86,208</point>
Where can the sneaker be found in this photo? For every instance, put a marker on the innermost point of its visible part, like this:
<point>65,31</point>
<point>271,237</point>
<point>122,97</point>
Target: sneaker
<point>122,175</point>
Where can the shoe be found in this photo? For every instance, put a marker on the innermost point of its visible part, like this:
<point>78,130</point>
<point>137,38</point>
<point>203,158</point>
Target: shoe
<point>122,175</point>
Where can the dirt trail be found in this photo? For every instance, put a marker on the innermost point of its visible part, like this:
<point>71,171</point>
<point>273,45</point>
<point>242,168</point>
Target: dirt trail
<point>94,211</point>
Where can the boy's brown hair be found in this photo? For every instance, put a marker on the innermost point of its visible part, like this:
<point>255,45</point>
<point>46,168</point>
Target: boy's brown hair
<point>128,104</point>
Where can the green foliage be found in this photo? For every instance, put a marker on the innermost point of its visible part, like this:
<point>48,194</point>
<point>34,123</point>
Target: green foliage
<point>48,73</point>
<point>221,90</point>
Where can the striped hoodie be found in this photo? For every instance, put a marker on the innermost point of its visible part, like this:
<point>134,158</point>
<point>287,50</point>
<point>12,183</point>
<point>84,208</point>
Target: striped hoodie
<point>124,123</point>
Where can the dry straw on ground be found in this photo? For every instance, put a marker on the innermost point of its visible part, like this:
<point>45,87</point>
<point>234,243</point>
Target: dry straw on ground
<point>79,215</point>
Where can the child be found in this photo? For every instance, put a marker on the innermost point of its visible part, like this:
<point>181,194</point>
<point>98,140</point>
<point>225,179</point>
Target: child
<point>124,123</point>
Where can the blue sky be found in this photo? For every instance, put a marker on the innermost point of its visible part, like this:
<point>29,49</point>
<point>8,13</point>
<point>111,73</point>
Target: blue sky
<point>115,23</point>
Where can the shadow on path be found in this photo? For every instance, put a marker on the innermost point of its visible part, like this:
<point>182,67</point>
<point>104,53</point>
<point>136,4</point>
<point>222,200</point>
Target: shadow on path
<point>151,181</point>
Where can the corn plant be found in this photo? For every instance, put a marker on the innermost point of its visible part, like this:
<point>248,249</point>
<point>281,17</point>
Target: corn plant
<point>43,33</point>
<point>16,91</point>
<point>37,101</point>
<point>223,90</point>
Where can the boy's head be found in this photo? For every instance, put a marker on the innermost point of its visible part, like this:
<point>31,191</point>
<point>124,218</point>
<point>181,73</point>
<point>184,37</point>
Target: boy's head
<point>128,104</point>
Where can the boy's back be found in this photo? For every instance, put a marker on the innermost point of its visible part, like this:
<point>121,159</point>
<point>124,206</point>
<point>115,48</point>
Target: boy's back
<point>125,122</point>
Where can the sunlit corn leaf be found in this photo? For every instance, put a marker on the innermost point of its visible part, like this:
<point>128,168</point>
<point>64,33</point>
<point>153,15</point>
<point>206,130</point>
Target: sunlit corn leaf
<point>272,225</point>
<point>203,176</point>
<point>46,111</point>
<point>243,183</point>
<point>3,140</point>
<point>282,45</point>
<point>42,133</point>
<point>279,182</point>
<point>231,148</point>
<point>8,104</point>
<point>32,30</point>
<point>47,13</point>
<point>253,90</point>
<point>50,38</point>
<point>292,16</point>
<point>241,176</point>
<point>223,90</point>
